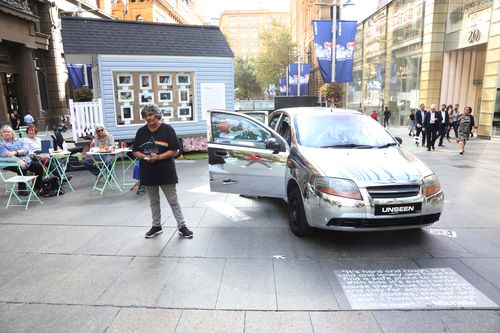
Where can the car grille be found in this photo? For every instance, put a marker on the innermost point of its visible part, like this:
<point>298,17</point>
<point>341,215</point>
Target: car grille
<point>393,191</point>
<point>384,222</point>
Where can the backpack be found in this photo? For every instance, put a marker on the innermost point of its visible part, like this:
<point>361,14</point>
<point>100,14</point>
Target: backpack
<point>49,187</point>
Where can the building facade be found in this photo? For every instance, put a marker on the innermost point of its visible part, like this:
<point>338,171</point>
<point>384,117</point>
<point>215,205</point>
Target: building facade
<point>160,11</point>
<point>242,29</point>
<point>33,74</point>
<point>432,52</point>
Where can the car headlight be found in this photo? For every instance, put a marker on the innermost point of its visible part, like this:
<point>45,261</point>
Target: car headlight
<point>431,185</point>
<point>339,187</point>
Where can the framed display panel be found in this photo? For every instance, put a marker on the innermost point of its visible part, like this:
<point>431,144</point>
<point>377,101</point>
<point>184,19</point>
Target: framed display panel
<point>124,80</point>
<point>165,96</point>
<point>164,79</point>
<point>127,113</point>
<point>167,112</point>
<point>183,79</point>
<point>125,96</point>
<point>137,89</point>
<point>146,98</point>
<point>184,112</point>
<point>145,81</point>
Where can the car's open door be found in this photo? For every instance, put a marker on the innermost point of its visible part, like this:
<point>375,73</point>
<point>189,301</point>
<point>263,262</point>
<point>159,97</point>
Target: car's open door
<point>245,156</point>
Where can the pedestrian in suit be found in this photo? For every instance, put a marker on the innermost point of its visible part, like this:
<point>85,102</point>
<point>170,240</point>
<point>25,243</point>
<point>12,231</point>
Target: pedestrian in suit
<point>419,119</point>
<point>443,125</point>
<point>431,126</point>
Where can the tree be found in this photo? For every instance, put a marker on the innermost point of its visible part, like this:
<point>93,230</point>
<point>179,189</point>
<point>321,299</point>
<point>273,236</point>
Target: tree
<point>333,93</point>
<point>276,52</point>
<point>245,81</point>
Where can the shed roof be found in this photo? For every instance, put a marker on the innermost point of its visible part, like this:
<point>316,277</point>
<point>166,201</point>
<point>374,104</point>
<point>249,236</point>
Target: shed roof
<point>98,36</point>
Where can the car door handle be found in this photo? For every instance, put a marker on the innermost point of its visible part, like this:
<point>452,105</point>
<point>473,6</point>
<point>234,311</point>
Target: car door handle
<point>220,153</point>
<point>229,182</point>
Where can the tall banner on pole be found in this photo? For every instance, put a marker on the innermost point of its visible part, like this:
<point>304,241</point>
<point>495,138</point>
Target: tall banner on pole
<point>294,79</point>
<point>346,42</point>
<point>282,86</point>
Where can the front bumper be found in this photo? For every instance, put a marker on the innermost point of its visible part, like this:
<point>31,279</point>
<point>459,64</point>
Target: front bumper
<point>330,212</point>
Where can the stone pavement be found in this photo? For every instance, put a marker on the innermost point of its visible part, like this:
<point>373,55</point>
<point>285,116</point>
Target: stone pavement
<point>80,263</point>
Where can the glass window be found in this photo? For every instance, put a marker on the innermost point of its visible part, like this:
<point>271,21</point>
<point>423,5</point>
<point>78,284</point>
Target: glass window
<point>238,131</point>
<point>274,120</point>
<point>337,130</point>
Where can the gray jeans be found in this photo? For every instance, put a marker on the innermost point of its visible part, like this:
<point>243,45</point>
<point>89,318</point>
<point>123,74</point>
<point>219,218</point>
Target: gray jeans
<point>154,202</point>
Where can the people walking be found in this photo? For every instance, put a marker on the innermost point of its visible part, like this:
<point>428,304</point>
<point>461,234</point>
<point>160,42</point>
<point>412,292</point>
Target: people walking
<point>419,120</point>
<point>387,117</point>
<point>443,124</point>
<point>155,145</point>
<point>28,119</point>
<point>464,127</point>
<point>411,122</point>
<point>431,126</point>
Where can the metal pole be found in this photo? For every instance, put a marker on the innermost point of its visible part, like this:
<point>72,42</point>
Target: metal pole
<point>287,83</point>
<point>298,78</point>
<point>334,38</point>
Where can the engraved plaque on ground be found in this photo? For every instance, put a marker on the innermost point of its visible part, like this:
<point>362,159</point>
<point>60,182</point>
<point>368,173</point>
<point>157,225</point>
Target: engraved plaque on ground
<point>425,288</point>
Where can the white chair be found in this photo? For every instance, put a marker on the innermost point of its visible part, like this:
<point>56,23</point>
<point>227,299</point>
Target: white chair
<point>10,183</point>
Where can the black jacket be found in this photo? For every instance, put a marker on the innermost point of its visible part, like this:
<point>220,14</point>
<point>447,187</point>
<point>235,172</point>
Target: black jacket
<point>419,117</point>
<point>427,120</point>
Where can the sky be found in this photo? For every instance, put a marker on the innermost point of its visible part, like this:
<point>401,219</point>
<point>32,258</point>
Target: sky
<point>212,8</point>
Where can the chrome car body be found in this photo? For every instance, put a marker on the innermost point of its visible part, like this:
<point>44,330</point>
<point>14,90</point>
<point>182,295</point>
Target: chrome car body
<point>364,181</point>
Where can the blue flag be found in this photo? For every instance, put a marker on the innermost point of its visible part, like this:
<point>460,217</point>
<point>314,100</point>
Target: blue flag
<point>294,80</point>
<point>346,42</point>
<point>282,86</point>
<point>305,70</point>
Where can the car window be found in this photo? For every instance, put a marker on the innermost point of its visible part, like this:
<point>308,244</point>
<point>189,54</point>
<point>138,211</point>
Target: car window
<point>284,128</point>
<point>337,130</point>
<point>273,120</point>
<point>239,131</point>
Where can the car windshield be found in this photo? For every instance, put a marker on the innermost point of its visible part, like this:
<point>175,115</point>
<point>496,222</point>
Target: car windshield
<point>341,131</point>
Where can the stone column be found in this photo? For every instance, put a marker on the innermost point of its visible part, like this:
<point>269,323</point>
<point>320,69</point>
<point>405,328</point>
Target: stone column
<point>27,83</point>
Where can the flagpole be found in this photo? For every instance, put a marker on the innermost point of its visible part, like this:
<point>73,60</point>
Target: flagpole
<point>334,38</point>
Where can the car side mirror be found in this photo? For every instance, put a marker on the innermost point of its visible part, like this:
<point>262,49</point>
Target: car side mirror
<point>274,145</point>
<point>398,139</point>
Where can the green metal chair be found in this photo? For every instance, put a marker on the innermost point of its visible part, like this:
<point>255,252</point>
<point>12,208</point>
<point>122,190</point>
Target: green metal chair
<point>10,183</point>
<point>21,132</point>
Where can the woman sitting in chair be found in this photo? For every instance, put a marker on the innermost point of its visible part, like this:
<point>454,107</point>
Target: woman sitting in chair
<point>32,142</point>
<point>12,147</point>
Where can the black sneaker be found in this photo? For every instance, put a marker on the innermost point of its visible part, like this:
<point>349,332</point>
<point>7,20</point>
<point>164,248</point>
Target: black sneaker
<point>153,232</point>
<point>184,231</point>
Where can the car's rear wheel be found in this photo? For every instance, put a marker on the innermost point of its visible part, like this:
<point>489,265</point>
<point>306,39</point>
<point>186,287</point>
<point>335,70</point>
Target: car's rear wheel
<point>296,214</point>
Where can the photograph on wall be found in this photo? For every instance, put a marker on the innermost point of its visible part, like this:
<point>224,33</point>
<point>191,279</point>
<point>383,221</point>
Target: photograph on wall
<point>125,96</point>
<point>164,79</point>
<point>167,112</point>
<point>146,98</point>
<point>183,96</point>
<point>145,81</point>
<point>183,79</point>
<point>124,80</point>
<point>164,96</point>
<point>184,112</point>
<point>127,112</point>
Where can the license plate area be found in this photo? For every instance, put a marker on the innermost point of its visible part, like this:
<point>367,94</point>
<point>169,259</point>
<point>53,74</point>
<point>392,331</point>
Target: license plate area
<point>398,209</point>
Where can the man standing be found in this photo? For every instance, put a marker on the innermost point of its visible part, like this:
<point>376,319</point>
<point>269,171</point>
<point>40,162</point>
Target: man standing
<point>387,116</point>
<point>420,117</point>
<point>454,120</point>
<point>431,126</point>
<point>445,119</point>
<point>155,145</point>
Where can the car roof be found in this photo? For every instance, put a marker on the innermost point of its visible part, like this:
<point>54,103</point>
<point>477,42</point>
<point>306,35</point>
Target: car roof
<point>318,110</point>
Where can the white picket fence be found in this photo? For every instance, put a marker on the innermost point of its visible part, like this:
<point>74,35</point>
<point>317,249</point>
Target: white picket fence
<point>84,116</point>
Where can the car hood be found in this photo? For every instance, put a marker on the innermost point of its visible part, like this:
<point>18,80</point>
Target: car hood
<point>368,166</point>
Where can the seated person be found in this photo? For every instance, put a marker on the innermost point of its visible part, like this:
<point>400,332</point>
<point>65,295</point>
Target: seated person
<point>12,147</point>
<point>105,143</point>
<point>224,134</point>
<point>31,142</point>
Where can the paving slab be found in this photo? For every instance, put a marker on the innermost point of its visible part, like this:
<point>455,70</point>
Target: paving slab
<point>194,283</point>
<point>247,284</point>
<point>230,243</point>
<point>267,243</point>
<point>55,318</point>
<point>108,241</point>
<point>196,247</point>
<point>277,322</point>
<point>348,322</point>
<point>145,320</point>
<point>486,268</point>
<point>138,245</point>
<point>471,321</point>
<point>410,321</point>
<point>194,321</point>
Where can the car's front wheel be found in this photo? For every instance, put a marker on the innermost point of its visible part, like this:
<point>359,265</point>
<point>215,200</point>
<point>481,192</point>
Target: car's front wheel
<point>296,214</point>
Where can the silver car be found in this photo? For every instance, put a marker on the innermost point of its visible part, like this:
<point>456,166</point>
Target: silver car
<point>337,169</point>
